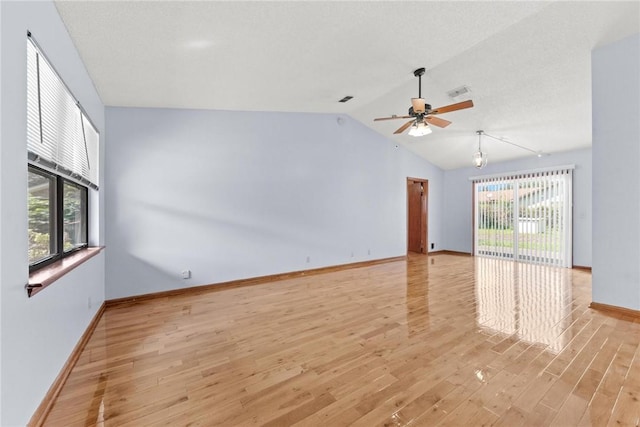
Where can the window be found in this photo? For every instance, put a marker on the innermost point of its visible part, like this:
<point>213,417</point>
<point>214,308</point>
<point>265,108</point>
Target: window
<point>58,217</point>
<point>62,144</point>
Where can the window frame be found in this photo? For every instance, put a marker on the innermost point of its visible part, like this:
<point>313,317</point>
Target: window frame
<point>57,199</point>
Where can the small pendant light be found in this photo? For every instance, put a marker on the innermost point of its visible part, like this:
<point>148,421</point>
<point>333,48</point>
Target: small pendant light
<point>479,158</point>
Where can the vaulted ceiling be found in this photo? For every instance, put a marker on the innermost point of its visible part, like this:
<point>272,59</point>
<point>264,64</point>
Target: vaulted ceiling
<point>527,64</point>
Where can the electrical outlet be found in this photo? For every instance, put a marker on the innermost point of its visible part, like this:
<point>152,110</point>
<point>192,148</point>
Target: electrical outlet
<point>433,246</point>
<point>308,259</point>
<point>368,251</point>
<point>186,274</point>
<point>351,254</point>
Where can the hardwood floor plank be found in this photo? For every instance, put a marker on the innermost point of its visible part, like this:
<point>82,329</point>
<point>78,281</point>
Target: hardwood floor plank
<point>448,403</point>
<point>627,407</point>
<point>565,384</point>
<point>343,409</point>
<point>541,415</point>
<point>514,417</point>
<point>302,411</point>
<point>430,340</point>
<point>420,404</point>
<point>603,402</point>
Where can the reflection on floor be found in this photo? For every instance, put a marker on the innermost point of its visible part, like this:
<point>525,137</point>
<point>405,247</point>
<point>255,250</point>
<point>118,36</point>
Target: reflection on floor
<point>530,301</point>
<point>433,340</point>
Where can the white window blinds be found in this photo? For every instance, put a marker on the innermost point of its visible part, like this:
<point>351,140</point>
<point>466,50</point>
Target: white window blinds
<point>59,134</point>
<point>526,216</point>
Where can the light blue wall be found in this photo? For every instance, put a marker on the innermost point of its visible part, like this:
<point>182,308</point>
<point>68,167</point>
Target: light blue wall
<point>39,333</point>
<point>1,204</point>
<point>232,195</point>
<point>457,223</point>
<point>616,176</point>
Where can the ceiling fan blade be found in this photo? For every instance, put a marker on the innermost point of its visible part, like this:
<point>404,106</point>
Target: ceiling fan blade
<point>391,118</point>
<point>437,121</point>
<point>404,127</point>
<point>453,107</point>
<point>418,105</point>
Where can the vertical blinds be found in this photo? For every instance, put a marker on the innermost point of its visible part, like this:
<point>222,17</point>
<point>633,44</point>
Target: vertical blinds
<point>59,134</point>
<point>525,217</point>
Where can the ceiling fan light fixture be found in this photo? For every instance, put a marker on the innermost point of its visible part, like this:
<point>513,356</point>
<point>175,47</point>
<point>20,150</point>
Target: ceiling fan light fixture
<point>419,129</point>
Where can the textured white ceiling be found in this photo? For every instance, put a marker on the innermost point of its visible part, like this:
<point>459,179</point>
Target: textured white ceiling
<point>527,63</point>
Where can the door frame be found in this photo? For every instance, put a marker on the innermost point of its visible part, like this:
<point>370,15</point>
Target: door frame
<point>424,203</point>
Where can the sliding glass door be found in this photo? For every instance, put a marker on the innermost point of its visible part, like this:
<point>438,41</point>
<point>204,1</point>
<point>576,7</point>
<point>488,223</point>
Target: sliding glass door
<point>525,217</point>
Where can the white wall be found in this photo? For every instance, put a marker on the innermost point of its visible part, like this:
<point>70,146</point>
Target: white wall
<point>232,195</point>
<point>39,333</point>
<point>457,223</point>
<point>1,144</point>
<point>616,176</point>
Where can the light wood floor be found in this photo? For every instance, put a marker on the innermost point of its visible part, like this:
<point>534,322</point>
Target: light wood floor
<point>438,340</point>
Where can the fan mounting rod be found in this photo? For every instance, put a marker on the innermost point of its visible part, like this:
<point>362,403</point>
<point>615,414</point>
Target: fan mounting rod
<point>419,73</point>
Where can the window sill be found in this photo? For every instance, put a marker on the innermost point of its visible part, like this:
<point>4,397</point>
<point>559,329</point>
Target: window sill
<point>42,278</point>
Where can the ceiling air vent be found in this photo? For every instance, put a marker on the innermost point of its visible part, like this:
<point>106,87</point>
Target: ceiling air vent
<point>346,98</point>
<point>460,94</point>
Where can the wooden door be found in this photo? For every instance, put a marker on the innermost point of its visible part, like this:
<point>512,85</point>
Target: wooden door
<point>416,215</point>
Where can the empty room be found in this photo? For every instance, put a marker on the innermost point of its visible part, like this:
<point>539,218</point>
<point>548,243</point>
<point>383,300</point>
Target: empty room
<point>319,213</point>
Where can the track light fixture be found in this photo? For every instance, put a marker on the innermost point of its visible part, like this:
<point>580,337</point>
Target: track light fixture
<point>480,158</point>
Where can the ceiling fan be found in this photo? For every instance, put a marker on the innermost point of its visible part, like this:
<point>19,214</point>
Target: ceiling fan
<point>421,113</point>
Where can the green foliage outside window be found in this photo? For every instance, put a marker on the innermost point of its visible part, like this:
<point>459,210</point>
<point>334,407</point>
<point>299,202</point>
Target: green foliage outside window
<point>41,208</point>
<point>39,217</point>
